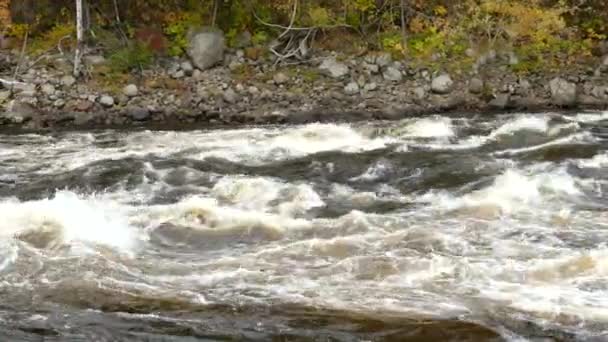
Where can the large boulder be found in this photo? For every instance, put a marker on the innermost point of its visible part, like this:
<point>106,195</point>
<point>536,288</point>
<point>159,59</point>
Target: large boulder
<point>331,67</point>
<point>206,47</point>
<point>563,93</point>
<point>442,84</point>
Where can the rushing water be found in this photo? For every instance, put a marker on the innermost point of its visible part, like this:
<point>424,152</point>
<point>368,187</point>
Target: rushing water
<point>428,229</point>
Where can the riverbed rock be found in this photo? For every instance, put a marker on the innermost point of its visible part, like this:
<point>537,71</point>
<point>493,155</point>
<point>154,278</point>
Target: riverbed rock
<point>206,48</point>
<point>351,88</point>
<point>230,96</point>
<point>139,113</point>
<point>563,93</point>
<point>392,74</point>
<point>48,89</point>
<point>130,90</point>
<point>442,84</point>
<point>187,68</point>
<point>476,86</point>
<point>106,101</point>
<point>501,101</point>
<point>68,80</point>
<point>19,111</point>
<point>331,67</point>
<point>384,59</point>
<point>280,78</point>
<point>605,61</point>
<point>59,103</point>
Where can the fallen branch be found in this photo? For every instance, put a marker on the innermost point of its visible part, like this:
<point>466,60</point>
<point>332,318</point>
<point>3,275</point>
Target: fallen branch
<point>7,82</point>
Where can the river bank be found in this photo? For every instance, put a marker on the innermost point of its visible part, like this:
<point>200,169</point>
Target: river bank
<point>248,89</point>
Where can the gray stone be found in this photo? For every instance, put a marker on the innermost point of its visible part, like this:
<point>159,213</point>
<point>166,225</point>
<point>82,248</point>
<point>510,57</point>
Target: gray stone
<point>59,103</point>
<point>513,59</point>
<point>68,80</point>
<point>392,74</point>
<point>600,92</point>
<point>333,68</point>
<point>187,68</point>
<point>372,68</point>
<point>419,92</point>
<point>48,89</point>
<point>139,113</point>
<point>501,101</point>
<point>384,59</point>
<point>206,48</point>
<point>370,86</point>
<point>563,93</point>
<point>476,86</point>
<point>470,52</point>
<point>18,111</point>
<point>130,90</point>
<point>178,74</point>
<point>230,96</point>
<point>351,88</point>
<point>106,101</point>
<point>280,78</point>
<point>605,61</point>
<point>197,75</point>
<point>252,90</point>
<point>442,84</point>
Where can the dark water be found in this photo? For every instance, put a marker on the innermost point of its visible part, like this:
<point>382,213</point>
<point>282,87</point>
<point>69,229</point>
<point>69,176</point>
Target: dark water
<point>429,229</point>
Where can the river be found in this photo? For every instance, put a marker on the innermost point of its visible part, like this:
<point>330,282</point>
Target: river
<point>486,228</point>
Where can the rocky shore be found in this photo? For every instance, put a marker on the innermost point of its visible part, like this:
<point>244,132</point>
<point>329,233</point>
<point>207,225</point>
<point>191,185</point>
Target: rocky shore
<point>239,86</point>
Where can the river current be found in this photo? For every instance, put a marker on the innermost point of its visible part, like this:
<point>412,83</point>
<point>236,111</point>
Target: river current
<point>487,228</point>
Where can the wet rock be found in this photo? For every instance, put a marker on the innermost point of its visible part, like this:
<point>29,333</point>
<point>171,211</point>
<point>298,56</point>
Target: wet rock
<point>187,68</point>
<point>206,48</point>
<point>392,74</point>
<point>351,88</point>
<point>501,101</point>
<point>442,84</point>
<point>563,93</point>
<point>19,111</point>
<point>130,90</point>
<point>82,119</point>
<point>106,101</point>
<point>280,78</point>
<point>476,86</point>
<point>333,68</point>
<point>447,103</point>
<point>139,113</point>
<point>68,81</point>
<point>48,89</point>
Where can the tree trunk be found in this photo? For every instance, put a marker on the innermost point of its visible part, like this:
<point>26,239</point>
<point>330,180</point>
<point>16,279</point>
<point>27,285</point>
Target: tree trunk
<point>5,13</point>
<point>79,37</point>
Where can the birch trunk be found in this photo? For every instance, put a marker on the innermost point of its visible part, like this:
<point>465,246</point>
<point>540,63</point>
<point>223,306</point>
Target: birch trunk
<point>79,38</point>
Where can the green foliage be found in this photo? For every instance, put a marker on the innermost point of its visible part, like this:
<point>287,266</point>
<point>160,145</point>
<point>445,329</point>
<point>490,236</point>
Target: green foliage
<point>130,57</point>
<point>319,16</point>
<point>176,27</point>
<point>260,38</point>
<point>61,32</point>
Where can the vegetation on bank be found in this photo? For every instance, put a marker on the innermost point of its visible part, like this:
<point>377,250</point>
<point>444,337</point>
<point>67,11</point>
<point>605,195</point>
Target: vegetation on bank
<point>540,34</point>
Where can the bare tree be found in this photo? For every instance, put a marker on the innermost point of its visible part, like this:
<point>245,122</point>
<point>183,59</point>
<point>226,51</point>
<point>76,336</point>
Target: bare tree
<point>79,37</point>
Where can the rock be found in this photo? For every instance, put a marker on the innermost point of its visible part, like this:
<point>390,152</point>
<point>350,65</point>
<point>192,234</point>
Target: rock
<point>501,101</point>
<point>470,52</point>
<point>447,103</point>
<point>48,89</point>
<point>206,48</point>
<point>591,101</point>
<point>81,119</point>
<point>605,61</point>
<point>563,93</point>
<point>139,113</point>
<point>280,78</point>
<point>130,90</point>
<point>419,92</point>
<point>106,101</point>
<point>442,84</point>
<point>384,59</point>
<point>197,75</point>
<point>25,90</point>
<point>333,68</point>
<point>94,59</point>
<point>19,111</point>
<point>187,68</point>
<point>372,68</point>
<point>392,74</point>
<point>476,86</point>
<point>178,74</point>
<point>230,96</point>
<point>370,86</point>
<point>68,80</point>
<point>252,90</point>
<point>513,59</point>
<point>600,92</point>
<point>242,40</point>
<point>351,88</point>
<point>59,103</point>
<point>84,106</point>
